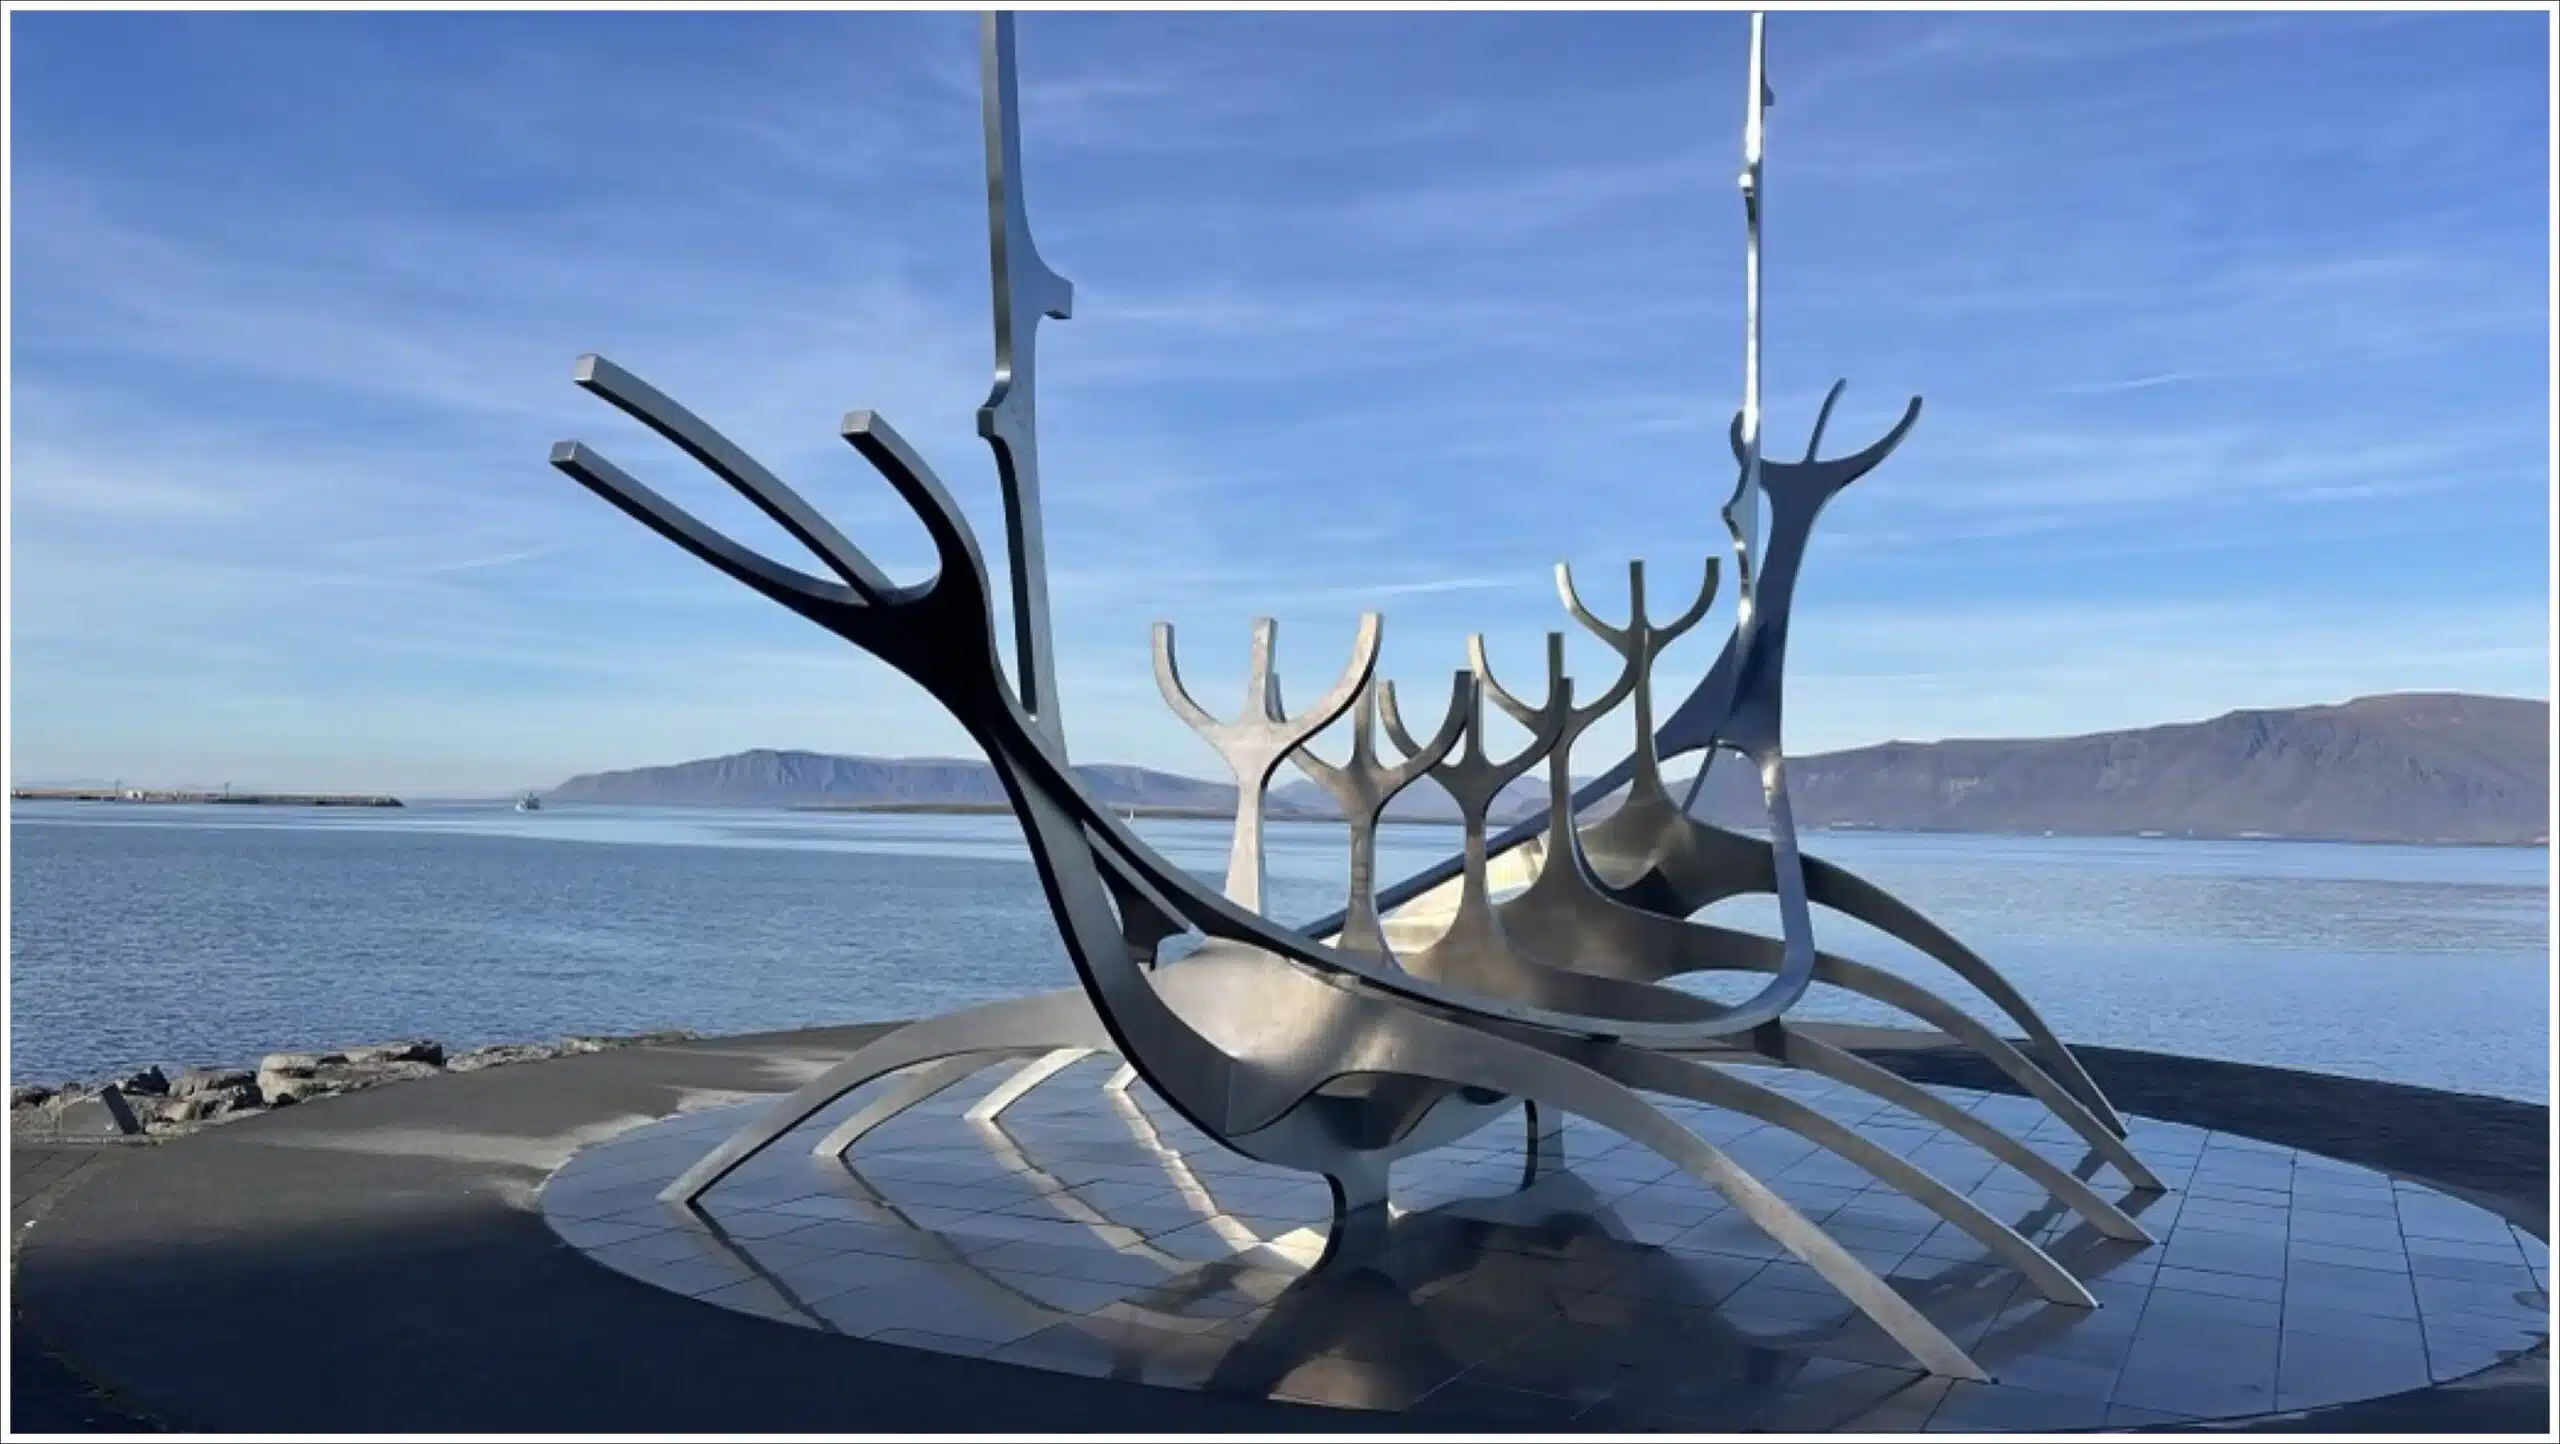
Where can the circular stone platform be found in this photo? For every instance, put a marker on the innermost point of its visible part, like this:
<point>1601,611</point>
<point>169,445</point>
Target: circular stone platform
<point>1097,1234</point>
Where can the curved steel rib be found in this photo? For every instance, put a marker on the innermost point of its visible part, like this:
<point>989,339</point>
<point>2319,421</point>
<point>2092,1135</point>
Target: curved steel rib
<point>1335,1015</point>
<point>912,1087</point>
<point>1566,910</point>
<point>1396,1043</point>
<point>1787,1045</point>
<point>1564,914</point>
<point>1652,854</point>
<point>1478,955</point>
<point>1653,1072</point>
<point>1709,864</point>
<point>1726,949</point>
<point>1283,1049</point>
<point>935,633</point>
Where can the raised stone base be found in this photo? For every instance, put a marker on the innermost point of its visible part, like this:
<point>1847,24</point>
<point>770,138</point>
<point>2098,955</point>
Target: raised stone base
<point>1097,1235</point>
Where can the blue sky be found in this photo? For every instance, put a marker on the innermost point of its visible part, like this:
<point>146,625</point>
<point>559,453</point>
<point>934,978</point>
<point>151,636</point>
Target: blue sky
<point>2233,332</point>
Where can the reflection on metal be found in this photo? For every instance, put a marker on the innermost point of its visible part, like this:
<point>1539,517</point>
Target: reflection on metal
<point>1725,949</point>
<point>1040,1070</point>
<point>1565,916</point>
<point>1362,787</point>
<point>1160,1306</point>
<point>1742,513</point>
<point>1283,1315</point>
<point>1339,1059</point>
<point>1653,854</point>
<point>1590,927</point>
<point>1026,290</point>
<point>1254,745</point>
<point>1472,952</point>
<point>911,1088</point>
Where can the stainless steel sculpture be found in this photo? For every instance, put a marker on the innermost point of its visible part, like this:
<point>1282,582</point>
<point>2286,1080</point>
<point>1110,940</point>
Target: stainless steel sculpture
<point>1340,1057</point>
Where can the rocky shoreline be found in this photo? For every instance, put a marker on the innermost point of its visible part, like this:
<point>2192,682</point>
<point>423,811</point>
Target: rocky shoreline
<point>152,1104</point>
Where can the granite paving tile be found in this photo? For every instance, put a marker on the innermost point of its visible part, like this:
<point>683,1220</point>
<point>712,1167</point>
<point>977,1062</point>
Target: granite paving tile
<point>1508,1410</point>
<point>2182,1305</point>
<point>2320,1370</point>
<point>1976,1408</point>
<point>2346,1324</point>
<point>2227,1253</point>
<point>2199,1281</point>
<point>2388,1261</point>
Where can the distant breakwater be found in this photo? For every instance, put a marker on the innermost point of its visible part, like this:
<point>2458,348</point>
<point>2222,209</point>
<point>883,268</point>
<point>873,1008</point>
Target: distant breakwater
<point>243,799</point>
<point>1141,809</point>
<point>149,1103</point>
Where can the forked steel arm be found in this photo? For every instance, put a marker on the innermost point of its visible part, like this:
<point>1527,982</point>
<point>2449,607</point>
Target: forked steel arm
<point>1653,855</point>
<point>1474,780</point>
<point>1566,909</point>
<point>1362,787</point>
<point>1254,744</point>
<point>1338,1012</point>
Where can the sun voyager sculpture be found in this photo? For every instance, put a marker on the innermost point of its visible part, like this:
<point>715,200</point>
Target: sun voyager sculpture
<point>1328,1048</point>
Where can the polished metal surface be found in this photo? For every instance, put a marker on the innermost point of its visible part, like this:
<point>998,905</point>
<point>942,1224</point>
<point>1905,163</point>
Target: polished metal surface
<point>1363,786</point>
<point>1339,1060</point>
<point>1472,952</point>
<point>1652,854</point>
<point>1481,953</point>
<point>1256,742</point>
<point>1025,291</point>
<point>1743,512</point>
<point>1566,914</point>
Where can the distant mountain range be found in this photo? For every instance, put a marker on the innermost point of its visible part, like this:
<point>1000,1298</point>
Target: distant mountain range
<point>2408,767</point>
<point>767,778</point>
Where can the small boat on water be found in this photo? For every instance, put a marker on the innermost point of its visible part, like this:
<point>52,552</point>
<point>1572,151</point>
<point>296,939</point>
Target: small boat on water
<point>528,803</point>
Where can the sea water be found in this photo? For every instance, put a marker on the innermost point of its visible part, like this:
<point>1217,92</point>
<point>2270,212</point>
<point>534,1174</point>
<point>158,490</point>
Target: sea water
<point>176,934</point>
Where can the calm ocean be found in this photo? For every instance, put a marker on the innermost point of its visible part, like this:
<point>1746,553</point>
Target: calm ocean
<point>166,934</point>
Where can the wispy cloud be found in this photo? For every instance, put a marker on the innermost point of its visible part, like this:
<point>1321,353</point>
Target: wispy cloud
<point>1379,311</point>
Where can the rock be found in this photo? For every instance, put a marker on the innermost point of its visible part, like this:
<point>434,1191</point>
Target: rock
<point>150,1082</point>
<point>309,1076</point>
<point>380,1073</point>
<point>497,1054</point>
<point>208,1102</point>
<point>597,1043</point>
<point>204,1104</point>
<point>103,1114</point>
<point>213,1080</point>
<point>282,1088</point>
<point>291,1077</point>
<point>151,1100</point>
<point>419,1050</point>
<point>159,1112</point>
<point>298,1065</point>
